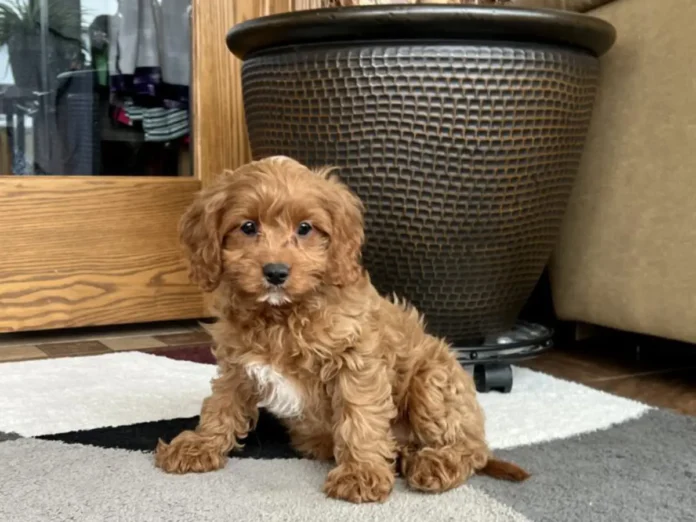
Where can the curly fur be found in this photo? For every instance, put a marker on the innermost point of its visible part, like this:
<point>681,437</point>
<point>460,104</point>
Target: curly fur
<point>375,389</point>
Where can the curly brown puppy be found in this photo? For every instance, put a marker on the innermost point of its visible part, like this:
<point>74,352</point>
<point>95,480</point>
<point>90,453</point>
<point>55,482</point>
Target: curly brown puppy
<point>302,332</point>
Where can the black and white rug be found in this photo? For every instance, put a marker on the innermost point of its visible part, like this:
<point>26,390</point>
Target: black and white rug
<point>77,436</point>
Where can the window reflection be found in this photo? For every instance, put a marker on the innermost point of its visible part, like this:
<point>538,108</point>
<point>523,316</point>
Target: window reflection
<point>95,87</point>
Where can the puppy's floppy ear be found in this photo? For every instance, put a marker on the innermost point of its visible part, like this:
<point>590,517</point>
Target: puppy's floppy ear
<point>199,234</point>
<point>347,234</point>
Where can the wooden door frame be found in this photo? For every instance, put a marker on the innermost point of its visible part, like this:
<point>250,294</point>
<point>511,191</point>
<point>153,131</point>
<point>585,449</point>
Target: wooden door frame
<point>220,128</point>
<point>79,251</point>
<point>113,258</point>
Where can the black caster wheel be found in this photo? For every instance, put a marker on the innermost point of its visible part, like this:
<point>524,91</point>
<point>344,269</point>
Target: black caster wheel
<point>493,377</point>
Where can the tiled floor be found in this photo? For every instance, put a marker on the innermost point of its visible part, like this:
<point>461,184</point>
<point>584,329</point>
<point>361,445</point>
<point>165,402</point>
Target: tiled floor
<point>17,347</point>
<point>656,372</point>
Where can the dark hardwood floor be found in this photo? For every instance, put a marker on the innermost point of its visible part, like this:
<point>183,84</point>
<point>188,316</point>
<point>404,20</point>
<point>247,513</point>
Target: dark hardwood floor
<point>653,371</point>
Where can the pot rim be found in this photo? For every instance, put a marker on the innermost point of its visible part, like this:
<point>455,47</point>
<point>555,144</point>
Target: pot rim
<point>421,22</point>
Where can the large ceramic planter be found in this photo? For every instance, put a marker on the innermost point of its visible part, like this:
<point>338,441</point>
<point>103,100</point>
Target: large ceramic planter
<point>461,128</point>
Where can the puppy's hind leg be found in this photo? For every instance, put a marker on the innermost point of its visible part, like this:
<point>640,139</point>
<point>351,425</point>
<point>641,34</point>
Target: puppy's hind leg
<point>227,415</point>
<point>447,440</point>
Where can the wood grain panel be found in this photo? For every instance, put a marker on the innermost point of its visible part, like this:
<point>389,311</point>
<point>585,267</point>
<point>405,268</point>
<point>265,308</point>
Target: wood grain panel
<point>82,251</point>
<point>220,134</point>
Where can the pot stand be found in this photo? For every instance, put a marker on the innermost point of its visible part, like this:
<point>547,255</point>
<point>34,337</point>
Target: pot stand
<point>492,358</point>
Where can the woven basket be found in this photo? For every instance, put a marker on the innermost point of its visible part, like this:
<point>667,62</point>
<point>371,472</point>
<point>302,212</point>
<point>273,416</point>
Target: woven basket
<point>462,139</point>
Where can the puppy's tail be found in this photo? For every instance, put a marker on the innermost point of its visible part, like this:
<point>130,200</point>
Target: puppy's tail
<point>502,470</point>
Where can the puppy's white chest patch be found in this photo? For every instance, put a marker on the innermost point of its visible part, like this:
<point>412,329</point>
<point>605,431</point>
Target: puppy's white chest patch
<point>277,394</point>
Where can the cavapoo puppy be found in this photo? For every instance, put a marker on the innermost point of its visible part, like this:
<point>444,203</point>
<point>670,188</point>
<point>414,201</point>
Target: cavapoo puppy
<point>302,332</point>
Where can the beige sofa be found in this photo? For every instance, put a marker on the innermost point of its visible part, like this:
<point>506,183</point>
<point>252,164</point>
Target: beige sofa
<point>626,258</point>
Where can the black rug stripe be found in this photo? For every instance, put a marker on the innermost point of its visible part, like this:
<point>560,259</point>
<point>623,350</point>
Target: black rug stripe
<point>9,436</point>
<point>270,440</point>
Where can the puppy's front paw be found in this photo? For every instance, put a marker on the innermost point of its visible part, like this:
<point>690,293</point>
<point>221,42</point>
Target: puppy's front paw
<point>189,452</point>
<point>360,483</point>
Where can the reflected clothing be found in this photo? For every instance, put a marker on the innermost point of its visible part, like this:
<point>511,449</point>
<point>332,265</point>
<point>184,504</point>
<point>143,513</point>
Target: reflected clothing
<point>159,123</point>
<point>150,65</point>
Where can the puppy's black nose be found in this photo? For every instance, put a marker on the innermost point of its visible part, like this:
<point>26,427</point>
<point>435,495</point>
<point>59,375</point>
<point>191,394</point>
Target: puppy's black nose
<point>276,273</point>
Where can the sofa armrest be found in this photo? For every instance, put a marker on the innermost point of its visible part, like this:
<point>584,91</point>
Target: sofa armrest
<point>627,249</point>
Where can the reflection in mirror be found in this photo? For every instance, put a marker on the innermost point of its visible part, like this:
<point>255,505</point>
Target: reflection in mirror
<point>95,87</point>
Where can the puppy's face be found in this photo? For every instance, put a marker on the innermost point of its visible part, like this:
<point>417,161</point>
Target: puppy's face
<point>275,231</point>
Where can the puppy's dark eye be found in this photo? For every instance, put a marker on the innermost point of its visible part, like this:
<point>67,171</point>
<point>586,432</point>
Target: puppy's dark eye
<point>304,229</point>
<point>249,228</point>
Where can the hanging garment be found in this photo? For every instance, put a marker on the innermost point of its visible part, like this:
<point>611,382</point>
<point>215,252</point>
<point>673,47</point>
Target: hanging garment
<point>150,65</point>
<point>159,123</point>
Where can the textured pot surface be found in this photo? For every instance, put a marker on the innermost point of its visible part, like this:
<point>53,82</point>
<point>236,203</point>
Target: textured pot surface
<point>464,153</point>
